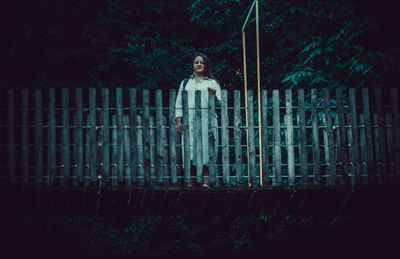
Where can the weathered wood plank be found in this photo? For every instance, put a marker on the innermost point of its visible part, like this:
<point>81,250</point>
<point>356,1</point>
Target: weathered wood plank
<point>38,137</point>
<point>342,156</point>
<point>251,147</point>
<point>212,139</point>
<point>146,136</point>
<point>172,137</point>
<point>302,137</point>
<point>51,164</point>
<point>277,138</point>
<point>11,135</point>
<point>289,135</point>
<point>65,154</point>
<point>120,136</point>
<point>237,135</point>
<point>79,135</point>
<point>264,138</point>
<point>160,140</point>
<point>166,176</point>
<point>127,149</point>
<point>371,166</point>
<point>25,136</point>
<point>114,152</point>
<point>378,168</point>
<point>106,134</point>
<point>315,137</point>
<point>381,132</point>
<point>396,132</point>
<point>140,159</point>
<point>198,138</point>
<point>133,133</point>
<point>363,155</point>
<point>355,143</point>
<point>186,136</point>
<point>390,151</point>
<point>329,130</point>
<point>92,135</point>
<point>152,150</point>
<point>225,139</point>
<point>351,152</point>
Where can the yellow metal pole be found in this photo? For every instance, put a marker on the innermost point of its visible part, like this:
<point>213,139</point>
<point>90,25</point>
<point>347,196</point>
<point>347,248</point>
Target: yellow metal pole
<point>259,92</point>
<point>245,100</point>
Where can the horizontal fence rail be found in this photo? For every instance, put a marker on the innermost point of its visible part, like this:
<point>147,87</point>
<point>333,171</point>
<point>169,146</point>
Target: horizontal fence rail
<point>128,138</point>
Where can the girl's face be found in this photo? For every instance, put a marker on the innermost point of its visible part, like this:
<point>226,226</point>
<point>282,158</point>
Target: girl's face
<point>198,65</point>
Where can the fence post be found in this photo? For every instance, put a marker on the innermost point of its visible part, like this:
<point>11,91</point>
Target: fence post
<point>65,137</point>
<point>252,149</point>
<point>25,136</point>
<point>354,134</point>
<point>277,137</point>
<point>127,148</point>
<point>92,134</point>
<point>396,131</point>
<point>315,137</point>
<point>264,137</point>
<point>329,131</point>
<point>146,137</point>
<point>11,136</point>
<point>139,141</point>
<point>381,132</point>
<point>302,137</point>
<point>106,134</point>
<point>363,155</point>
<point>289,135</point>
<point>160,140</point>
<point>343,149</point>
<point>368,135</point>
<point>52,139</point>
<point>237,122</point>
<point>212,138</point>
<point>390,151</point>
<point>152,150</point>
<point>198,138</point>
<point>172,137</point>
<point>225,139</point>
<point>186,136</point>
<point>133,133</point>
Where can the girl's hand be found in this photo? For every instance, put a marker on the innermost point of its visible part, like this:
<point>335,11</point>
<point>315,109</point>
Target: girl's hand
<point>211,91</point>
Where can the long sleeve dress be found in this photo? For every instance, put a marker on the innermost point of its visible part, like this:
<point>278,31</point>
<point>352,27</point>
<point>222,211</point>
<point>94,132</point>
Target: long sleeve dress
<point>191,87</point>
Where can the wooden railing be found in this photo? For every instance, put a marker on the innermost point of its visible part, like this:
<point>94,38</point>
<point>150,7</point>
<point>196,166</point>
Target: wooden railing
<point>126,138</point>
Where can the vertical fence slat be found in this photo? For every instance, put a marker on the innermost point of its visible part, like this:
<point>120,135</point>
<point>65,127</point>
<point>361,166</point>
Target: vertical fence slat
<point>277,137</point>
<point>377,137</point>
<point>65,137</point>
<point>114,153</point>
<point>336,135</point>
<point>11,135</point>
<point>152,150</point>
<point>160,140</point>
<point>329,131</point>
<point>127,148</point>
<point>172,137</point>
<point>238,138</point>
<point>106,134</point>
<point>389,140</point>
<point>25,136</point>
<point>186,136</point>
<point>133,133</point>
<point>78,135</point>
<point>381,132</point>
<point>52,138</point>
<point>120,136</point>
<point>212,139</point>
<point>315,137</point>
<point>225,139</point>
<point>92,130</point>
<point>368,135</point>
<point>264,137</point>
<point>139,141</point>
<point>355,136</point>
<point>289,135</point>
<point>363,155</point>
<point>251,147</point>
<point>342,156</point>
<point>166,176</point>
<point>396,132</point>
<point>302,137</point>
<point>351,151</point>
<point>198,137</point>
<point>38,137</point>
<point>326,148</point>
<point>146,136</point>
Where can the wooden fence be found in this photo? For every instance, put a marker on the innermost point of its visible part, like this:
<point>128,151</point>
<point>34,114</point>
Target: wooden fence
<point>127,139</point>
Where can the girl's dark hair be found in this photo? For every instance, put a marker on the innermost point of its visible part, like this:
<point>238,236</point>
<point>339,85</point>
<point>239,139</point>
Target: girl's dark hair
<point>207,67</point>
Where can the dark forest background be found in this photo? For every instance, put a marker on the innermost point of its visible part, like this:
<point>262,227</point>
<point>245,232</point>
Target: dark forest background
<point>149,44</point>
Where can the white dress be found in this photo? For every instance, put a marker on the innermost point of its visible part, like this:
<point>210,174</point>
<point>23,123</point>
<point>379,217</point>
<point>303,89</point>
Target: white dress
<point>191,87</point>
